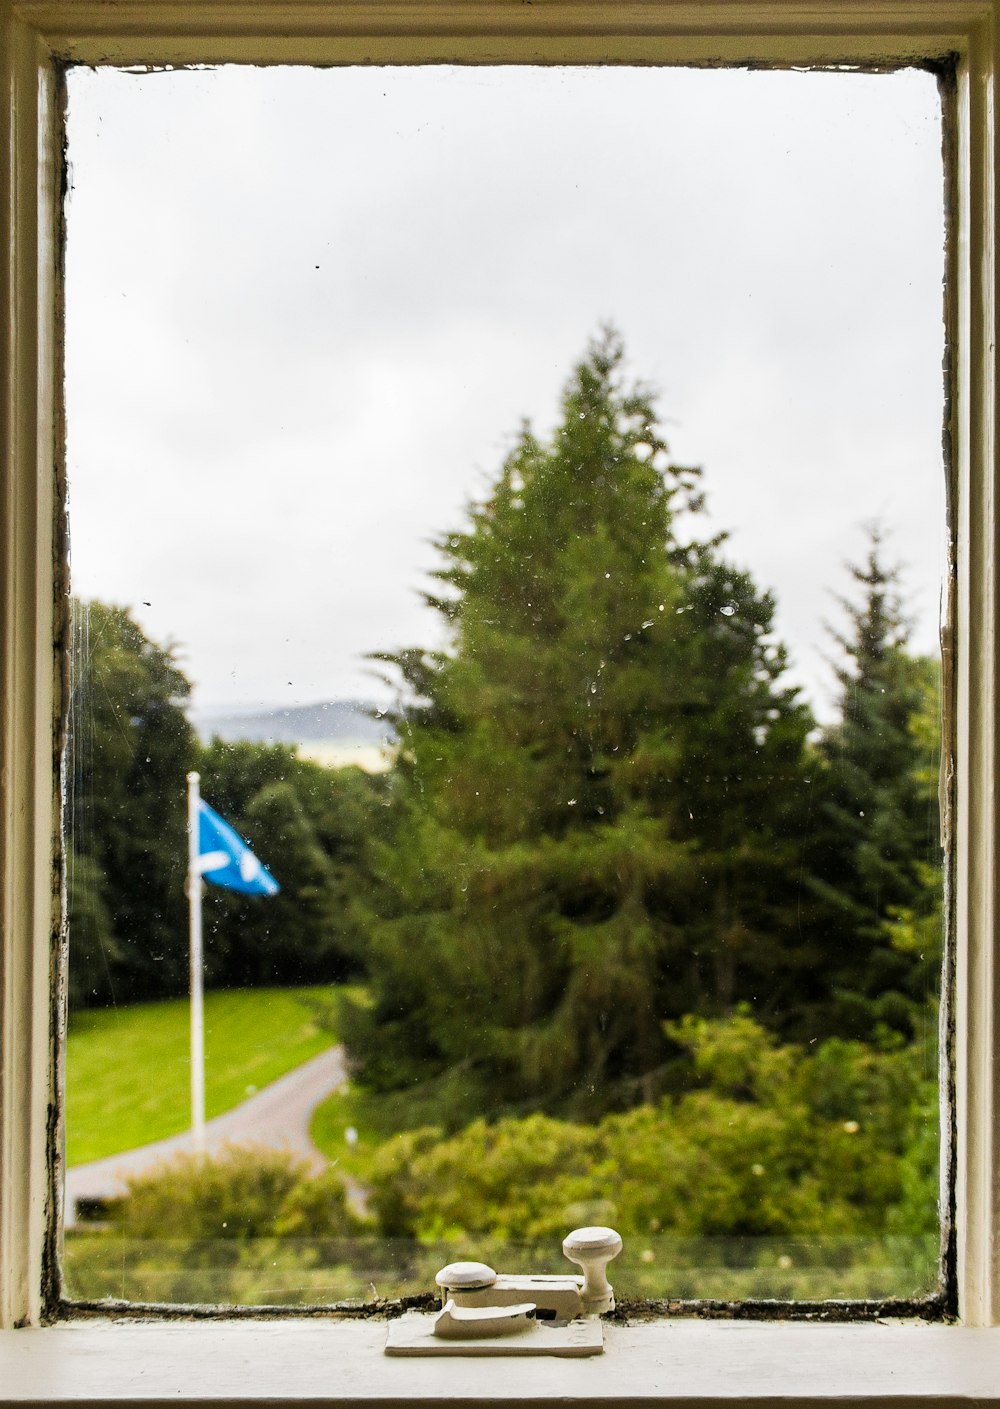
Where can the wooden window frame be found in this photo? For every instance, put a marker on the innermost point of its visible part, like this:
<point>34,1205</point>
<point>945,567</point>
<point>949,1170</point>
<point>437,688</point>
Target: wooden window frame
<point>38,38</point>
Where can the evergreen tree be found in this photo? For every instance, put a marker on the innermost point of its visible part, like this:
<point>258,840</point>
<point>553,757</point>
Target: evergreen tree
<point>592,787</point>
<point>131,746</point>
<point>748,782</point>
<point>878,849</point>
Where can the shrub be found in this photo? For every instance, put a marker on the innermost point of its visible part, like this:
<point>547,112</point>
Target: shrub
<point>778,1141</point>
<point>241,1194</point>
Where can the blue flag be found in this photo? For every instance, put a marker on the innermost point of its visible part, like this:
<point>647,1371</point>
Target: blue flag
<point>226,860</point>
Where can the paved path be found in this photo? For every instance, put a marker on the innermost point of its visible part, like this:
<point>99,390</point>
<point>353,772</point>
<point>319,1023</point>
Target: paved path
<point>276,1118</point>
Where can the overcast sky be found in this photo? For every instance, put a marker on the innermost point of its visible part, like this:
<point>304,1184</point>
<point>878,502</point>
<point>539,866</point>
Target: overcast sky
<point>308,310</point>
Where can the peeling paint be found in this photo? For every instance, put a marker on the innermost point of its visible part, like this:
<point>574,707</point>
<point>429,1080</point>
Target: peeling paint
<point>131,1311</point>
<point>948,89</point>
<point>51,1289</point>
<point>923,1309</point>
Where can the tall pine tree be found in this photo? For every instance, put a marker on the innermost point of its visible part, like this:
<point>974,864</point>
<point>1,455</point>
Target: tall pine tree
<point>599,780</point>
<point>878,845</point>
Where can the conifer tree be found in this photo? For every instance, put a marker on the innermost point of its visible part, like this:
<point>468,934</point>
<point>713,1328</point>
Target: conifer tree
<point>878,851</point>
<point>586,800</point>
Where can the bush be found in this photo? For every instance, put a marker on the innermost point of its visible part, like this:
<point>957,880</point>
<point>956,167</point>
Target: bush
<point>240,1195</point>
<point>777,1142</point>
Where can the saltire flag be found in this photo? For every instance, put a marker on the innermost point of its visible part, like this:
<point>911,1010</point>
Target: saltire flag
<point>226,860</point>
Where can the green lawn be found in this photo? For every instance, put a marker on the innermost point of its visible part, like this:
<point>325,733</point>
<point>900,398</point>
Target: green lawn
<point>128,1069</point>
<point>352,1106</point>
<point>375,1117</point>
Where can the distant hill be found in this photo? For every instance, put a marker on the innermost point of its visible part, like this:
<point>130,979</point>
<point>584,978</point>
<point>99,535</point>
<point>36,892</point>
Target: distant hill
<point>344,723</point>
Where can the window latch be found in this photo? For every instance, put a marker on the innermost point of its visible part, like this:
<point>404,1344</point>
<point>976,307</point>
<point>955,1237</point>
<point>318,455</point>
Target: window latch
<point>489,1313</point>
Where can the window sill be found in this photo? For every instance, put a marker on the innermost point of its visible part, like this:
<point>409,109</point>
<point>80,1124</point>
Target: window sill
<point>341,1363</point>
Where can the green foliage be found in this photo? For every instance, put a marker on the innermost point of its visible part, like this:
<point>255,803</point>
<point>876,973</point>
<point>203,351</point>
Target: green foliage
<point>876,856</point>
<point>311,826</point>
<point>316,1207</point>
<point>270,1271</point>
<point>241,1194</point>
<point>95,953</point>
<point>198,1229</point>
<point>773,1141</point>
<point>130,747</point>
<point>917,1210</point>
<point>512,1181</point>
<point>597,812</point>
<point>916,930</point>
<point>609,824</point>
<point>784,1172</point>
<point>310,1271</point>
<point>236,1196</point>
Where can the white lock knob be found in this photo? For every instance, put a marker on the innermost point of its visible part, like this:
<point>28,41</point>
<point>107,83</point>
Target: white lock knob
<point>464,1277</point>
<point>592,1249</point>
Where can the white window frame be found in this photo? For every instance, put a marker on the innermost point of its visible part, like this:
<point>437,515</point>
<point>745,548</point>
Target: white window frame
<point>340,1362</point>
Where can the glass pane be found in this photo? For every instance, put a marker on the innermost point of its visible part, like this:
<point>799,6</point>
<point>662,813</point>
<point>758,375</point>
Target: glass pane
<point>517,494</point>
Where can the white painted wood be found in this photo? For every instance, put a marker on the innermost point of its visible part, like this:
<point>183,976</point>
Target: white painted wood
<point>30,622</point>
<point>681,1364</point>
<point>549,31</point>
<point>32,32</point>
<point>976,914</point>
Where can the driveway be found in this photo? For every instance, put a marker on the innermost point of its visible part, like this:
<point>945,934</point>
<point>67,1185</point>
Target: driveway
<point>276,1118</point>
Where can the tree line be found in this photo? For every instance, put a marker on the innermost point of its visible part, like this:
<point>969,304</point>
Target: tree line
<point>609,811</point>
<point>131,747</point>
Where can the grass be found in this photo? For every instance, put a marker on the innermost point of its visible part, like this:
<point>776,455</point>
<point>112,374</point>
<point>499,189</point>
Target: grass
<point>375,1117</point>
<point>128,1069</point>
<point>352,1107</point>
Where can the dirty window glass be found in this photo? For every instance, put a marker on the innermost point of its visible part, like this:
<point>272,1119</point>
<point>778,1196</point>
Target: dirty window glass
<point>507,540</point>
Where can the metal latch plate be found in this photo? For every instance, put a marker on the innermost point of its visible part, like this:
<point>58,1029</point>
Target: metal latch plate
<point>413,1334</point>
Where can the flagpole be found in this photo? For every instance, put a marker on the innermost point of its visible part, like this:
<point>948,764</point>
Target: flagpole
<point>194,888</point>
